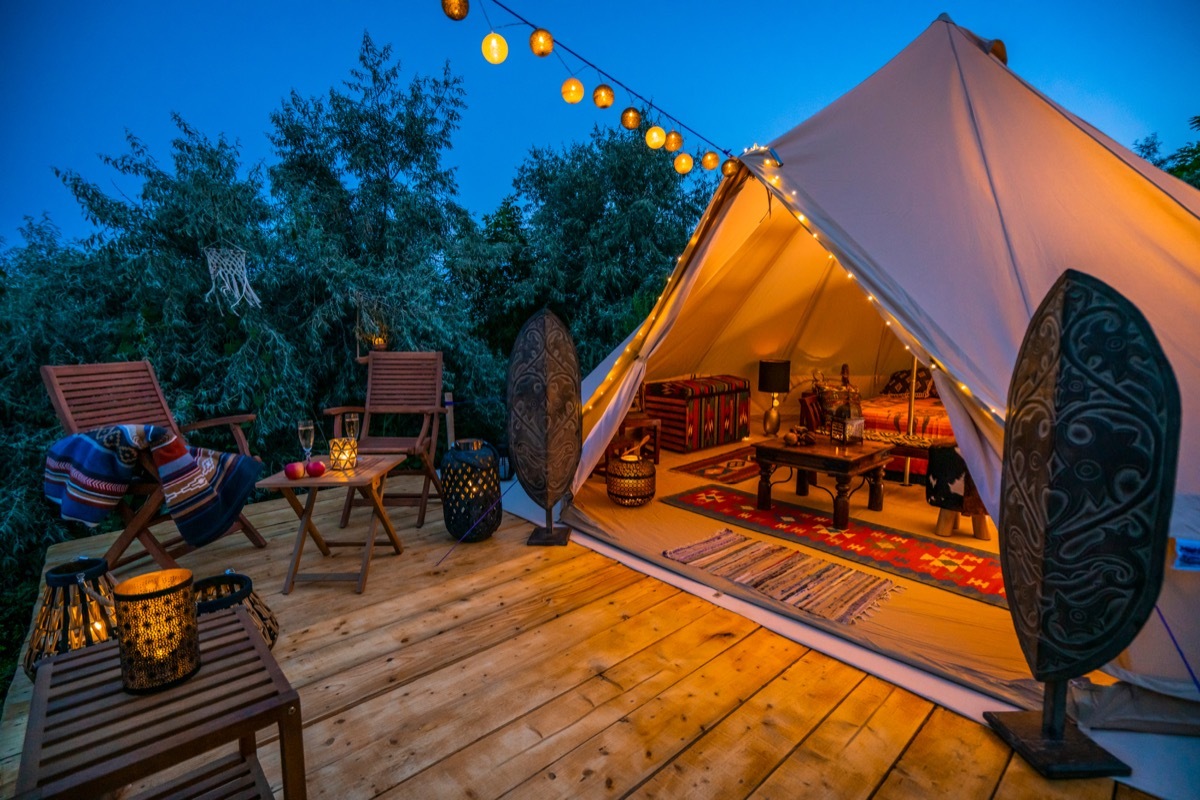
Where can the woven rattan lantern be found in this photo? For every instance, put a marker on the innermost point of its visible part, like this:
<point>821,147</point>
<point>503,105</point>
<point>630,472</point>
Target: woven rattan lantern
<point>630,480</point>
<point>456,9</point>
<point>471,490</point>
<point>495,49</point>
<point>710,160</point>
<point>631,118</point>
<point>729,167</point>
<point>602,96</point>
<point>683,163</point>
<point>343,453</point>
<point>655,137</point>
<point>541,43</point>
<point>226,591</point>
<point>674,141</point>
<point>156,630</point>
<point>572,90</point>
<point>76,611</point>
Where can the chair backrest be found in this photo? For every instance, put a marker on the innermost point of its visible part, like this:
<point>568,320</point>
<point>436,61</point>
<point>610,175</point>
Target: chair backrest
<point>399,383</point>
<point>89,396</point>
<point>810,411</point>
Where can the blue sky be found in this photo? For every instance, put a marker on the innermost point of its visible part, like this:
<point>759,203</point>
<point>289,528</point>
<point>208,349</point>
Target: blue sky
<point>77,75</point>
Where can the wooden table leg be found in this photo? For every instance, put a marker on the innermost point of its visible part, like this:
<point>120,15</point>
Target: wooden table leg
<point>291,755</point>
<point>875,491</point>
<point>306,529</point>
<point>374,496</point>
<point>841,503</point>
<point>802,482</point>
<point>765,468</point>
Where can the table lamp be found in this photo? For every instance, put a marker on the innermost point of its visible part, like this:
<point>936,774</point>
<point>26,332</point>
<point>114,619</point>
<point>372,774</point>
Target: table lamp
<point>774,376</point>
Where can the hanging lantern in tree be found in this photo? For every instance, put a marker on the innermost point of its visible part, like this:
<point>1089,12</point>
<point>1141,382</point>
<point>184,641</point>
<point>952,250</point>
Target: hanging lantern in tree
<point>572,90</point>
<point>674,141</point>
<point>655,137</point>
<point>710,160</point>
<point>541,42</point>
<point>602,96</point>
<point>631,118</point>
<point>495,49</point>
<point>729,167</point>
<point>683,163</point>
<point>456,9</point>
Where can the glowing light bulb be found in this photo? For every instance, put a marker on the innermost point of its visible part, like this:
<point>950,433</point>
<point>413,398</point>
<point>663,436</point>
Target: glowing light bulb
<point>656,137</point>
<point>683,163</point>
<point>710,160</point>
<point>674,141</point>
<point>495,49</point>
<point>541,42</point>
<point>729,167</point>
<point>456,9</point>
<point>631,118</point>
<point>572,90</point>
<point>602,96</point>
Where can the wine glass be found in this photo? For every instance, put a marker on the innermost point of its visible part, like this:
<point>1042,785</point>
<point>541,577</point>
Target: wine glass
<point>304,430</point>
<point>350,425</point>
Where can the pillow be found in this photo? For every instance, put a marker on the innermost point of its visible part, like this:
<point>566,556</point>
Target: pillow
<point>898,383</point>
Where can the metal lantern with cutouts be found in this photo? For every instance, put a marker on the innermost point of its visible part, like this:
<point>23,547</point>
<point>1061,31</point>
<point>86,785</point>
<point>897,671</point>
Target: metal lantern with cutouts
<point>157,635</point>
<point>76,611</point>
<point>343,453</point>
<point>471,490</point>
<point>630,480</point>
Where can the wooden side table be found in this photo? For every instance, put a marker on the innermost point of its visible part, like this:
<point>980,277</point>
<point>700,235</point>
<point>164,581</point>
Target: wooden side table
<point>367,476</point>
<point>841,461</point>
<point>87,735</point>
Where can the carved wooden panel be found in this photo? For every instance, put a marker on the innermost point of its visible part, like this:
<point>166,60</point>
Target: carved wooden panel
<point>545,411</point>
<point>1090,451</point>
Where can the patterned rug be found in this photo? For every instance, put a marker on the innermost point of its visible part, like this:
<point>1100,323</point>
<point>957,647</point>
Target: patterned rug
<point>964,570</point>
<point>811,584</point>
<point>733,466</point>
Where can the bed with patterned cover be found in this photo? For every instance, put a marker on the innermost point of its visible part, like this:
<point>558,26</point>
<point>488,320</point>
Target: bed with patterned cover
<point>886,418</point>
<point>700,412</point>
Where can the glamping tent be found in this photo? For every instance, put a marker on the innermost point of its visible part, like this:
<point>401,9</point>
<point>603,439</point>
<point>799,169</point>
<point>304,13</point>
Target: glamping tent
<point>927,212</point>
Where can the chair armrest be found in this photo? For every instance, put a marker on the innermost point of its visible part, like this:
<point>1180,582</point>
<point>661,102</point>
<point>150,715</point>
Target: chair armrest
<point>233,421</point>
<point>331,412</point>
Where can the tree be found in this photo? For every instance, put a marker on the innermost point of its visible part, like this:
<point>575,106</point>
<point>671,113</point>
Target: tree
<point>1184,163</point>
<point>606,221</point>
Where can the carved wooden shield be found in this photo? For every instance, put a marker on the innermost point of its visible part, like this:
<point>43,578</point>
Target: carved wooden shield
<point>545,411</point>
<point>1090,450</point>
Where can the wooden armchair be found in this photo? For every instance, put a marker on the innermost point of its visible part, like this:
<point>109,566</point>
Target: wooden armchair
<point>408,384</point>
<point>90,396</point>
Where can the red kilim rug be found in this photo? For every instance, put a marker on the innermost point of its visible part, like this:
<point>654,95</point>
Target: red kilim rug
<point>967,571</point>
<point>733,466</point>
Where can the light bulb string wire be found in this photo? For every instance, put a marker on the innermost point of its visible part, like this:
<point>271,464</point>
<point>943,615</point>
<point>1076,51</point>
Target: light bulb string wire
<point>609,76</point>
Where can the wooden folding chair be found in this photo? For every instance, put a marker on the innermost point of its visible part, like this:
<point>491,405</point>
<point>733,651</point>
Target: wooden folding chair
<point>402,384</point>
<point>90,396</point>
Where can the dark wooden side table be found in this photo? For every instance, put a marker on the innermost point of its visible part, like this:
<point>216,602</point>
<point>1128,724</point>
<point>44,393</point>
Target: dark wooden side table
<point>87,736</point>
<point>841,461</point>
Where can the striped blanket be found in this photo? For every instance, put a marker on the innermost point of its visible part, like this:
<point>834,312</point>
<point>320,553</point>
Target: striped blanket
<point>87,474</point>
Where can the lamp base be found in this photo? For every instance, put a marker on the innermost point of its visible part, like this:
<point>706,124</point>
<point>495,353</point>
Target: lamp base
<point>771,421</point>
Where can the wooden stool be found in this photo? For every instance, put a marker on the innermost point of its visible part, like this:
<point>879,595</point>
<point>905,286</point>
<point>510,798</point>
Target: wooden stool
<point>638,423</point>
<point>947,524</point>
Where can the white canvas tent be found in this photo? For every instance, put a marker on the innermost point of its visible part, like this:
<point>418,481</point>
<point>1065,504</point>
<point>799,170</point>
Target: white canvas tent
<point>932,207</point>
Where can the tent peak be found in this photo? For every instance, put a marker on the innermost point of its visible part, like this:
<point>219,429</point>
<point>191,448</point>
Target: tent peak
<point>994,47</point>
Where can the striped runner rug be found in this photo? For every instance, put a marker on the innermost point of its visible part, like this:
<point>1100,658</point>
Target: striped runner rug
<point>809,583</point>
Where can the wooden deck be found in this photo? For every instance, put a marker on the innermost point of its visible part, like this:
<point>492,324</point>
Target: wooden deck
<point>511,671</point>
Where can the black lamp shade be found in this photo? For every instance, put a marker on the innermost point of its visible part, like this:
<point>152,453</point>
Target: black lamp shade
<point>775,375</point>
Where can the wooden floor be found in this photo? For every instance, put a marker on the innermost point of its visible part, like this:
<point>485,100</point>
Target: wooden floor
<point>512,671</point>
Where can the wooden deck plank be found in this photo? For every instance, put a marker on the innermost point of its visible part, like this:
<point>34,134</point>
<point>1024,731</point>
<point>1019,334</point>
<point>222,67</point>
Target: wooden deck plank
<point>493,764</point>
<point>620,758</point>
<point>852,751</point>
<point>1021,781</point>
<point>951,756</point>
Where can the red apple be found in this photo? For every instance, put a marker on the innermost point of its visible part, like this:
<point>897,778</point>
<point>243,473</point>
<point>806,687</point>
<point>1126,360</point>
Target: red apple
<point>294,470</point>
<point>316,469</point>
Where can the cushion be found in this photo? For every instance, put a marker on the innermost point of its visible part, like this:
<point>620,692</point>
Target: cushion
<point>898,383</point>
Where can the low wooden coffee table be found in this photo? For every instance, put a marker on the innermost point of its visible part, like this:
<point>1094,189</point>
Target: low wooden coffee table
<point>841,461</point>
<point>368,477</point>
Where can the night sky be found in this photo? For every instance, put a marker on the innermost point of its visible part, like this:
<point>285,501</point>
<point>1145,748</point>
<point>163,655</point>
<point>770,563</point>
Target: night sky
<point>77,75</point>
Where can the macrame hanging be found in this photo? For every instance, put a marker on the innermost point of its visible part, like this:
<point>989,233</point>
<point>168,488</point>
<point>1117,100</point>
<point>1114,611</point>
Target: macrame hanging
<point>227,269</point>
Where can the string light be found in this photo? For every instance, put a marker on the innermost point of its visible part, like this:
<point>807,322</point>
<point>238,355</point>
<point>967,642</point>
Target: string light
<point>541,43</point>
<point>683,163</point>
<point>495,49</point>
<point>729,167</point>
<point>602,96</point>
<point>456,9</point>
<point>656,137</point>
<point>631,118</point>
<point>710,160</point>
<point>572,90</point>
<point>674,141</point>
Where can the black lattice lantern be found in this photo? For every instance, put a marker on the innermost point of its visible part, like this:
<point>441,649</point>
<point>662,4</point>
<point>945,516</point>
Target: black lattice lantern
<point>76,611</point>
<point>471,490</point>
<point>630,480</point>
<point>230,589</point>
<point>156,630</point>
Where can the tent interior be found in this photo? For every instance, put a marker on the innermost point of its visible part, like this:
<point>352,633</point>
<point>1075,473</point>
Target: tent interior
<point>925,213</point>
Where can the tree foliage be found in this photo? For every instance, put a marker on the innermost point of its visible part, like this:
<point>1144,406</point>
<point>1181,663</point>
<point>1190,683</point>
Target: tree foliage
<point>1184,163</point>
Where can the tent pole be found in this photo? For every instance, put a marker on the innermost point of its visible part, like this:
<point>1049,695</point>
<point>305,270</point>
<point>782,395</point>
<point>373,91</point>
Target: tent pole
<point>912,404</point>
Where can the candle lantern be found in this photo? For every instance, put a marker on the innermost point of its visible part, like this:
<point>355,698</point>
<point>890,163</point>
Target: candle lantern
<point>630,480</point>
<point>156,630</point>
<point>471,490</point>
<point>226,591</point>
<point>76,611</point>
<point>343,453</point>
<point>846,430</point>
